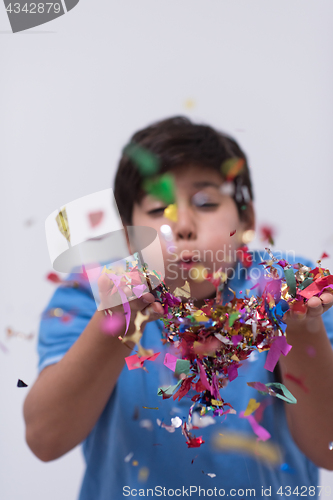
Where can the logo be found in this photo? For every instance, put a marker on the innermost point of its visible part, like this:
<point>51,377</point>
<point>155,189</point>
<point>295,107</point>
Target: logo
<point>24,15</point>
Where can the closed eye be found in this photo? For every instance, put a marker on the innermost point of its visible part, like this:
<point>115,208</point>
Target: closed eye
<point>156,211</point>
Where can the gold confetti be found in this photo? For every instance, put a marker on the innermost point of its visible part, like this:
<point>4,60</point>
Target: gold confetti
<point>262,450</point>
<point>62,221</point>
<point>184,291</point>
<point>251,407</point>
<point>189,104</point>
<point>143,474</point>
<point>171,212</point>
<point>135,463</point>
<point>199,315</point>
<point>201,273</point>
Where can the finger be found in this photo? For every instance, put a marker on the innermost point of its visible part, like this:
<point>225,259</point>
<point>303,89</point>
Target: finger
<point>315,306</point>
<point>104,288</point>
<point>327,300</point>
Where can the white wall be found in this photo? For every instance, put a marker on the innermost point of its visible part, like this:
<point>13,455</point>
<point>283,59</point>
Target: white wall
<point>72,92</point>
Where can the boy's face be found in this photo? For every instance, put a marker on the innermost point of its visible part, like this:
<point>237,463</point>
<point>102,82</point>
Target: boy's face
<point>201,234</point>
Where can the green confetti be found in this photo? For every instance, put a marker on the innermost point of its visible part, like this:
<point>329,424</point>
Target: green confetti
<point>182,366</point>
<point>168,390</point>
<point>305,283</point>
<point>287,396</point>
<point>291,281</point>
<point>146,162</point>
<point>232,318</point>
<point>162,187</point>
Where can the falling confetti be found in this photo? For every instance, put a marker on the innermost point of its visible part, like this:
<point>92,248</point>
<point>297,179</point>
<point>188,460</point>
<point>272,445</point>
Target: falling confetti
<point>189,104</point>
<point>20,383</point>
<point>162,188</point>
<point>330,446</point>
<point>62,221</point>
<point>171,212</point>
<point>146,162</point>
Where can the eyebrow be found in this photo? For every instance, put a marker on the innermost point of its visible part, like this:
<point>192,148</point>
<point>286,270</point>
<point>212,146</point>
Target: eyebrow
<point>204,184</point>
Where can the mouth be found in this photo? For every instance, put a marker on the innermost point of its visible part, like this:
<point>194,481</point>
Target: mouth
<point>187,262</point>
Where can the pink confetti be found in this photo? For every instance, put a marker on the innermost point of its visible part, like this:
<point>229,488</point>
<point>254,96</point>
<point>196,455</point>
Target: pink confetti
<point>262,434</point>
<point>278,347</point>
<point>138,290</point>
<point>112,325</point>
<point>133,362</point>
<point>170,361</point>
<point>232,372</point>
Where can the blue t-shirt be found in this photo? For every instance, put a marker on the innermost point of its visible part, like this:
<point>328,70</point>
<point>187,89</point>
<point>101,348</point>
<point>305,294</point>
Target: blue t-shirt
<point>128,454</point>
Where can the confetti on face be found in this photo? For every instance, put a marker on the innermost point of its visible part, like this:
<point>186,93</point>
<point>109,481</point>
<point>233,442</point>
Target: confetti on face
<point>95,218</point>
<point>171,212</point>
<point>233,232</point>
<point>20,383</point>
<point>162,188</point>
<point>232,167</point>
<point>330,446</point>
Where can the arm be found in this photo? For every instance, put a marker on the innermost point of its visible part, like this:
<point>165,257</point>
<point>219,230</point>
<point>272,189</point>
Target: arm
<point>310,421</point>
<point>68,397</point>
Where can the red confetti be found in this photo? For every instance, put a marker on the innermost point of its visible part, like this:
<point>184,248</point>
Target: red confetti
<point>54,278</point>
<point>95,218</point>
<point>267,234</point>
<point>195,442</point>
<point>232,232</point>
<point>324,256</point>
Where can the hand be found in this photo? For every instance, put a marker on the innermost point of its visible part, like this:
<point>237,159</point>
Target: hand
<point>310,314</point>
<point>146,303</point>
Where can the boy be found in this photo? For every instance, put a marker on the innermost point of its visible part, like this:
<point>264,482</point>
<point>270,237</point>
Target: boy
<point>85,392</point>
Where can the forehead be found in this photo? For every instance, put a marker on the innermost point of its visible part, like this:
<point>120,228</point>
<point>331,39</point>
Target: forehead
<point>196,176</point>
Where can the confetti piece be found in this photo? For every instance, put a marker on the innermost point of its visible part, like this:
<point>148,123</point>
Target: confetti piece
<point>3,348</point>
<point>63,226</point>
<point>134,361</point>
<point>232,167</point>
<point>330,446</point>
<point>262,433</point>
<point>11,333</point>
<point>324,256</point>
<point>162,188</point>
<point>146,424</point>
<point>266,452</point>
<point>135,463</point>
<point>129,457</point>
<point>170,212</point>
<point>113,325</point>
<point>311,351</point>
<point>138,290</point>
<point>286,468</point>
<point>150,407</point>
<point>20,383</point>
<point>54,278</point>
<point>267,234</point>
<point>143,474</point>
<point>95,218</point>
<point>278,347</point>
<point>145,161</point>
<point>170,361</point>
<point>251,407</point>
<point>233,232</point>
<point>210,474</point>
<point>189,104</point>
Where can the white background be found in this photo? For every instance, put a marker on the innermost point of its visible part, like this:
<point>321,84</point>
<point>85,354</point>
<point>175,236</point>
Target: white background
<point>74,90</point>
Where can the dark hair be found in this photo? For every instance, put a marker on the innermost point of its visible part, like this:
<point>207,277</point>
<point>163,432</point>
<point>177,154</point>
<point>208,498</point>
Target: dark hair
<point>175,142</point>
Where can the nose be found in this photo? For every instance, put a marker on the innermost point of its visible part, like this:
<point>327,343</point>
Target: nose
<point>185,227</point>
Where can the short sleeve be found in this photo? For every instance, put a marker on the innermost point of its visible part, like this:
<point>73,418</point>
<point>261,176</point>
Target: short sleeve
<point>63,320</point>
